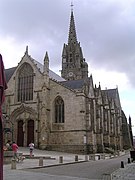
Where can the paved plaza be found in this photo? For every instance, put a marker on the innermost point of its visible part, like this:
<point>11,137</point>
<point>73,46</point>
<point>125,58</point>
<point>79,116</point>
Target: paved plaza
<point>43,159</point>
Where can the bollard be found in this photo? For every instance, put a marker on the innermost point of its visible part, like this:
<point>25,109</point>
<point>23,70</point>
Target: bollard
<point>41,161</point>
<point>86,158</point>
<point>61,159</point>
<point>13,164</point>
<point>92,157</point>
<point>129,161</point>
<point>76,157</point>
<point>102,156</point>
<point>107,177</point>
<point>122,164</point>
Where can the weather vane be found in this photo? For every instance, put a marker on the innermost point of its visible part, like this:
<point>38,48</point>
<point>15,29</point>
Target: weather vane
<point>71,6</point>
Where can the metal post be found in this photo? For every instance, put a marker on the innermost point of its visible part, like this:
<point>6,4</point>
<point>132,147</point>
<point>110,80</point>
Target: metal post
<point>129,161</point>
<point>122,164</point>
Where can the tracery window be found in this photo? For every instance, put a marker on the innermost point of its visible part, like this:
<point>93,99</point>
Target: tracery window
<point>25,83</point>
<point>59,110</point>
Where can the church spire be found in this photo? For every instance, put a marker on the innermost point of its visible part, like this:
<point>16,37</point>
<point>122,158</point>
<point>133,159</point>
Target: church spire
<point>72,38</point>
<point>73,64</point>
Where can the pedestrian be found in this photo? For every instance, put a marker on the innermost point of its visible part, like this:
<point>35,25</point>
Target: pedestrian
<point>8,145</point>
<point>31,148</point>
<point>15,150</point>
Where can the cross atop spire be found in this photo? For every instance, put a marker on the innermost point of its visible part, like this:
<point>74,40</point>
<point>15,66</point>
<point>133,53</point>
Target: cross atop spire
<point>71,6</point>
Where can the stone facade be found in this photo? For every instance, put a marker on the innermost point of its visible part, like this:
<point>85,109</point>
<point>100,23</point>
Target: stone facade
<point>65,114</point>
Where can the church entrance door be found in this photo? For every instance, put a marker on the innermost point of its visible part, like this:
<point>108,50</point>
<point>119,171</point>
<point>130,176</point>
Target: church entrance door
<point>30,132</point>
<point>20,134</point>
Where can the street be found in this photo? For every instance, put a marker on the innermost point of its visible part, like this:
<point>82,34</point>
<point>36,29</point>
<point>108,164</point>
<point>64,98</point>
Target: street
<point>86,170</point>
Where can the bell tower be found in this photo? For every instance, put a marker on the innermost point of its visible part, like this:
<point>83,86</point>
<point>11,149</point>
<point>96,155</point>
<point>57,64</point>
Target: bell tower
<point>73,63</point>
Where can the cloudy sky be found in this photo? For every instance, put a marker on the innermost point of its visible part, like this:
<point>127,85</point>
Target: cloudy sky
<point>105,29</point>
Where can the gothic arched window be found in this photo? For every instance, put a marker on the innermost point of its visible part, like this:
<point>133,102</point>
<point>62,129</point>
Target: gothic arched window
<point>25,83</point>
<point>59,110</point>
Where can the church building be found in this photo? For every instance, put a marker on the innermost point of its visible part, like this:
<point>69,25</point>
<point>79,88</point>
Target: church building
<point>64,113</point>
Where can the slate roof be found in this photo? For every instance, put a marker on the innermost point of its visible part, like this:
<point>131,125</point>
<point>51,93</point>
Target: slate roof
<point>9,72</point>
<point>111,93</point>
<point>74,84</point>
<point>55,76</point>
<point>52,74</point>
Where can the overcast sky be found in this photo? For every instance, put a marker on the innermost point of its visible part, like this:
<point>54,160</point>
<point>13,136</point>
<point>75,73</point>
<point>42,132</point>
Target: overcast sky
<point>105,29</point>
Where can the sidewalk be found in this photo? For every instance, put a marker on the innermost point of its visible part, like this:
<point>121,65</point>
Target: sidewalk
<point>126,173</point>
<point>52,158</point>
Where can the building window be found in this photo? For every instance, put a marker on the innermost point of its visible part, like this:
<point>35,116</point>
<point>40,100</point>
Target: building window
<point>105,121</point>
<point>59,110</point>
<point>112,124</point>
<point>25,83</point>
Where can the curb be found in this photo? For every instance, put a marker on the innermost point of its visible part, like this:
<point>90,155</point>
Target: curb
<point>53,165</point>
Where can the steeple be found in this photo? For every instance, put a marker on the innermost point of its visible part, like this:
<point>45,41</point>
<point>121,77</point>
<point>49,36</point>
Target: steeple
<point>72,38</point>
<point>73,64</point>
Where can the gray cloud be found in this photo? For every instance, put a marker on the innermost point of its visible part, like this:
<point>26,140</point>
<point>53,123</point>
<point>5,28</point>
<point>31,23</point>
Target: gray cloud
<point>104,28</point>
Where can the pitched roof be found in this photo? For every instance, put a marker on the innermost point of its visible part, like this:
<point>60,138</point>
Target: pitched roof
<point>74,84</point>
<point>9,72</point>
<point>111,93</point>
<point>52,74</point>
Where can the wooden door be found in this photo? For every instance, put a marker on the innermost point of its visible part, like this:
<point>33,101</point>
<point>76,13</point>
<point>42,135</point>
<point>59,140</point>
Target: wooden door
<point>20,134</point>
<point>30,132</point>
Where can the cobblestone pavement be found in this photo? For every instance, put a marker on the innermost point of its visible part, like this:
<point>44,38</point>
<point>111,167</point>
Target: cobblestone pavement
<point>126,173</point>
<point>52,158</point>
